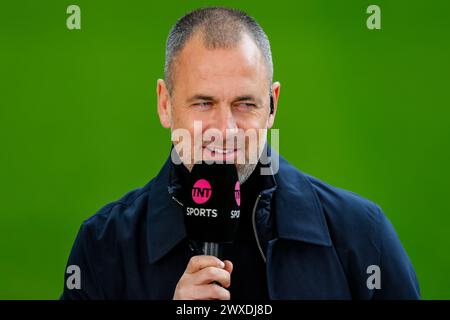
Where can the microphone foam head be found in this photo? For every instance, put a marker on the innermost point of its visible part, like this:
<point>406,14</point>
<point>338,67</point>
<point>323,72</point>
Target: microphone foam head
<point>211,203</point>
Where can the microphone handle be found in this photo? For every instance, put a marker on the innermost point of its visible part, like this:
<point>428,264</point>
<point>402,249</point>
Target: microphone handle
<point>211,249</point>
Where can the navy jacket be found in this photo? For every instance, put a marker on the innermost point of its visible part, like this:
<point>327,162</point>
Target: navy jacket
<point>318,242</point>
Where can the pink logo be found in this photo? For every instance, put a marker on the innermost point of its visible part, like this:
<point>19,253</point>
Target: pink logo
<point>237,193</point>
<point>201,191</point>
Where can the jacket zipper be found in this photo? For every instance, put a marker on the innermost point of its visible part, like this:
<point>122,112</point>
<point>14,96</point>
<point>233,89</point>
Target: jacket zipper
<point>254,228</point>
<point>176,200</point>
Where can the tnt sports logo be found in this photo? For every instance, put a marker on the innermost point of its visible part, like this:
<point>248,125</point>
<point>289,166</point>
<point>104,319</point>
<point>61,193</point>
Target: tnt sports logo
<point>237,193</point>
<point>201,191</point>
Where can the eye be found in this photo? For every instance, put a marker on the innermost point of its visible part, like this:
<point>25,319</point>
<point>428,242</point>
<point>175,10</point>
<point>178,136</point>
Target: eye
<point>202,105</point>
<point>245,106</point>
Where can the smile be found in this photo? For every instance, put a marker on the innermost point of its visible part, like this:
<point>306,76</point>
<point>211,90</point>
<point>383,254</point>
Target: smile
<point>220,150</point>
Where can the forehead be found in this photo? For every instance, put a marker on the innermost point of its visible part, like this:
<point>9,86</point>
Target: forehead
<point>198,67</point>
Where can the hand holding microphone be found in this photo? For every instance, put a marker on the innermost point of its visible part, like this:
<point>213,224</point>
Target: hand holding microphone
<point>201,278</point>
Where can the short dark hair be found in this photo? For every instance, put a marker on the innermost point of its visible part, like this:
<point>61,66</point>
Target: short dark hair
<point>220,28</point>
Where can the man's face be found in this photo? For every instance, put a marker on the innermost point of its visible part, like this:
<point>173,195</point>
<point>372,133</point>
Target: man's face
<point>224,89</point>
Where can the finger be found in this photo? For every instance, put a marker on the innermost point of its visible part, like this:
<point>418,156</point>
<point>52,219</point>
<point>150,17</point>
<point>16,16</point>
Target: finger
<point>212,292</point>
<point>200,262</point>
<point>228,266</point>
<point>212,274</point>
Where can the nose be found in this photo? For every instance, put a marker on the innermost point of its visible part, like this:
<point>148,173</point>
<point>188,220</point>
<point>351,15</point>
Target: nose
<point>224,119</point>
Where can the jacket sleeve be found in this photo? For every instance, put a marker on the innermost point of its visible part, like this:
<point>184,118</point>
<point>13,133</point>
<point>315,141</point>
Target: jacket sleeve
<point>398,278</point>
<point>80,279</point>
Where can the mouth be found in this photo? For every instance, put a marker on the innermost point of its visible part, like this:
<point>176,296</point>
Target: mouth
<point>220,150</point>
<point>217,153</point>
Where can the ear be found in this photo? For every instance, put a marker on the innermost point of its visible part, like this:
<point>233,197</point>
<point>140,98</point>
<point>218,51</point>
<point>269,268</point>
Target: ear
<point>275,90</point>
<point>164,106</point>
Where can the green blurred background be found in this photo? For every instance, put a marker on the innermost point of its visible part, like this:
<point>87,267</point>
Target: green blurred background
<point>365,110</point>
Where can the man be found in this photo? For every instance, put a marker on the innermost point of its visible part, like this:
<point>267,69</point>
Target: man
<point>298,238</point>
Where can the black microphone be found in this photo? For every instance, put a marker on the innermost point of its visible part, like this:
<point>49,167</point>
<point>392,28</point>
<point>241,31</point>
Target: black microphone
<point>211,205</point>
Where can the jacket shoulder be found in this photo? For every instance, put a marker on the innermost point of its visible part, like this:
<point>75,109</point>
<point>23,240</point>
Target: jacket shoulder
<point>345,212</point>
<point>115,217</point>
<point>364,237</point>
<point>350,216</point>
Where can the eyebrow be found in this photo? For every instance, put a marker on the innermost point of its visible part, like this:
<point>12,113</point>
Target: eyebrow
<point>246,98</point>
<point>211,98</point>
<point>200,97</point>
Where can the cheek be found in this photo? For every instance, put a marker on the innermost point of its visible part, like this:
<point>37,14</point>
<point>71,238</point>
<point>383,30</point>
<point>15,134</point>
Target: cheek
<point>185,118</point>
<point>179,121</point>
<point>259,121</point>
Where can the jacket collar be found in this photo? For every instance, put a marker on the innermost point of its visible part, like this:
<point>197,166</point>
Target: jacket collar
<point>299,215</point>
<point>165,221</point>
